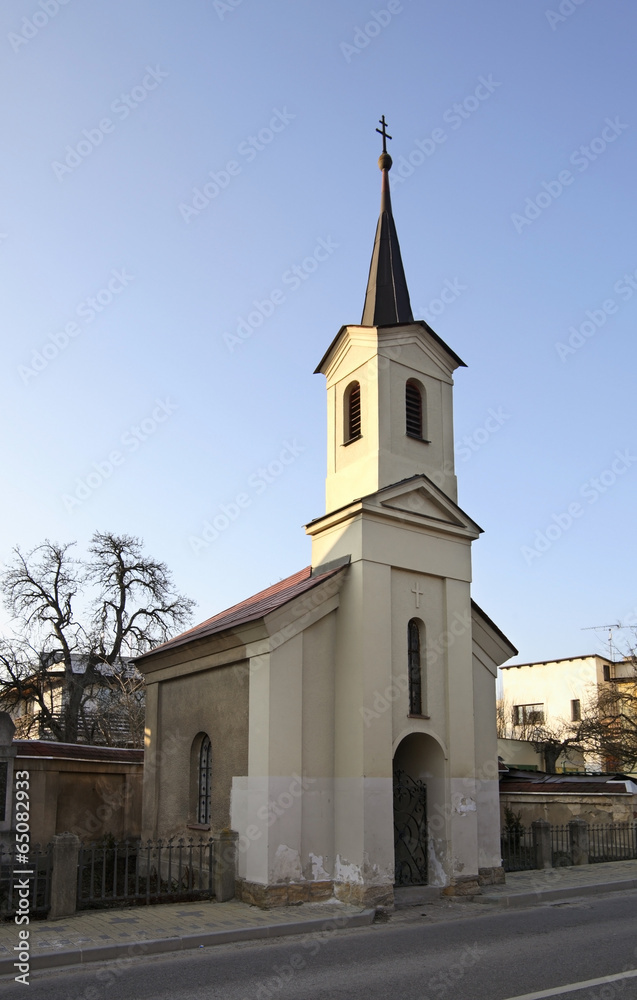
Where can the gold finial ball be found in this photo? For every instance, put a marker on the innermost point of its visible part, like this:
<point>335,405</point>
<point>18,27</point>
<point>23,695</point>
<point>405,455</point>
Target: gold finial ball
<point>384,161</point>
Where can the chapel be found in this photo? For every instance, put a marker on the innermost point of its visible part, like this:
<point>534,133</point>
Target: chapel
<point>342,721</point>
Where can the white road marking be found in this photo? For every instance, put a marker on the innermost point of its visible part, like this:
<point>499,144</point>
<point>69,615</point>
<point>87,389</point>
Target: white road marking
<point>572,987</point>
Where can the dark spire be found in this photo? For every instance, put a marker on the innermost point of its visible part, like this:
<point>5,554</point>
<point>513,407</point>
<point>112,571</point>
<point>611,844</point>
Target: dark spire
<point>387,298</point>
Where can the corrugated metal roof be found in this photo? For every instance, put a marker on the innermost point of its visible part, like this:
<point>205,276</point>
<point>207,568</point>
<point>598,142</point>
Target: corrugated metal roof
<point>582,788</point>
<point>538,781</point>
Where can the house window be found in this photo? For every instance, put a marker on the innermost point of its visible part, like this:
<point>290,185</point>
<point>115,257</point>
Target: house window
<point>576,710</point>
<point>352,415</point>
<point>528,715</point>
<point>414,665</point>
<point>205,769</point>
<point>606,672</point>
<point>413,410</point>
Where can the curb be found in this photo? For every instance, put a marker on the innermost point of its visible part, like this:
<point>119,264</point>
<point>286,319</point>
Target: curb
<point>544,895</point>
<point>135,949</point>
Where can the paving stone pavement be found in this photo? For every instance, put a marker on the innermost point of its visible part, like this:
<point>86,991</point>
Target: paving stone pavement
<point>94,935</point>
<point>102,934</point>
<point>522,887</point>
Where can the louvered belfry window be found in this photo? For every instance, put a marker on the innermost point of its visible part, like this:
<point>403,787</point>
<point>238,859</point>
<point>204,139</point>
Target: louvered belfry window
<point>354,412</point>
<point>205,776</point>
<point>413,410</point>
<point>415,673</point>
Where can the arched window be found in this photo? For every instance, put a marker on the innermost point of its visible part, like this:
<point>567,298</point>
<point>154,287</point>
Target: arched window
<point>352,415</point>
<point>414,410</point>
<point>415,672</point>
<point>205,773</point>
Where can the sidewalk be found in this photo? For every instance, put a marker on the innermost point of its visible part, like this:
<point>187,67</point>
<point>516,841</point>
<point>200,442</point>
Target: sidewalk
<point>106,935</point>
<point>526,888</point>
<point>103,935</point>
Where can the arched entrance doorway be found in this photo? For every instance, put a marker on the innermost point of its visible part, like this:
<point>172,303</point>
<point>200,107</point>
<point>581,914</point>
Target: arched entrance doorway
<point>418,806</point>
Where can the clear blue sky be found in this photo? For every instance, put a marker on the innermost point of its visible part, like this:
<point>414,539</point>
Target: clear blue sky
<point>122,287</point>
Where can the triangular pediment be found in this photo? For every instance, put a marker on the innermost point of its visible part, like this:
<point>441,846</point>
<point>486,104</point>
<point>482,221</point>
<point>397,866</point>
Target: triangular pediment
<point>421,500</point>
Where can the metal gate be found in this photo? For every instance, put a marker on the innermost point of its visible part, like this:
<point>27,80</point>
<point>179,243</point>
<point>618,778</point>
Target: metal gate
<point>410,830</point>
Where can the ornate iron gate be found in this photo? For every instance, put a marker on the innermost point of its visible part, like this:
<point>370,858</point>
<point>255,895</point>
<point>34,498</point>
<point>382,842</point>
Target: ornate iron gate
<point>410,830</point>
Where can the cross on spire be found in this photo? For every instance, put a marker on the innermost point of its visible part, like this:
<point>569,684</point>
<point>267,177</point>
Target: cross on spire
<point>382,131</point>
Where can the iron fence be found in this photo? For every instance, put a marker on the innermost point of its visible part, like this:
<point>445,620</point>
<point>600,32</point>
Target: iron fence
<point>612,842</point>
<point>517,849</point>
<point>606,842</point>
<point>561,849</point>
<point>18,874</point>
<point>131,872</point>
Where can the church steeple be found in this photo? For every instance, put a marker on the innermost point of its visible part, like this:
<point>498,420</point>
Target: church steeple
<point>387,298</point>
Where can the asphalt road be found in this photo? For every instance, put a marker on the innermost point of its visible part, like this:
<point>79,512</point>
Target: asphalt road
<point>437,952</point>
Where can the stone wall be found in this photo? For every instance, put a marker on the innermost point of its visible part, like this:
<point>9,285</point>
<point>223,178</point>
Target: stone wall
<point>89,791</point>
<point>558,808</point>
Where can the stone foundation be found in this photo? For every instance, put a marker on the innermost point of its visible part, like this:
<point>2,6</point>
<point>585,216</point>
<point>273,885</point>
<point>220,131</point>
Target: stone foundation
<point>491,876</point>
<point>463,885</point>
<point>282,894</point>
<point>358,894</point>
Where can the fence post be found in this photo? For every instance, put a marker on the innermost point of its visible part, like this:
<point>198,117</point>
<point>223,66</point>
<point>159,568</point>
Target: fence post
<point>578,836</point>
<point>225,861</point>
<point>66,849</point>
<point>542,851</point>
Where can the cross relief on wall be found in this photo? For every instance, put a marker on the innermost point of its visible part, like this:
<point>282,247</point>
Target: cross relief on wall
<point>417,592</point>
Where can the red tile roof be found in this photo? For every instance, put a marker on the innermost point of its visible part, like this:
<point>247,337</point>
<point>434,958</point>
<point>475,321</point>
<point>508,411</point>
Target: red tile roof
<point>252,609</point>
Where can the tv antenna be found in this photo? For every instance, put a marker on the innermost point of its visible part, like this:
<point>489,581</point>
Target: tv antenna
<point>599,628</point>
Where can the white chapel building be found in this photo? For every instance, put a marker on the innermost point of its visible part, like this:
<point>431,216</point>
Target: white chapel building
<point>342,722</point>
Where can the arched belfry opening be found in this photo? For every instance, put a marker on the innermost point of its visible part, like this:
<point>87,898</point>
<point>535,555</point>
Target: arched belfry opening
<point>352,412</point>
<point>415,410</point>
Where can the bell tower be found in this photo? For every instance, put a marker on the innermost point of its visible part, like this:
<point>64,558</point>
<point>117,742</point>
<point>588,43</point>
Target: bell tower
<point>389,383</point>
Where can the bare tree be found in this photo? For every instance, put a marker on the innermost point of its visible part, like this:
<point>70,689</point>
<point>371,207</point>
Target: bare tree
<point>129,606</point>
<point>608,727</point>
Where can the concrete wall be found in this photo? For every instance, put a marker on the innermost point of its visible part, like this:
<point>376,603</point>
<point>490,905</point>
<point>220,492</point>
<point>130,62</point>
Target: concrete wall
<point>179,712</point>
<point>89,798</point>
